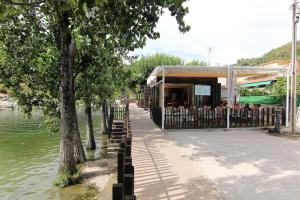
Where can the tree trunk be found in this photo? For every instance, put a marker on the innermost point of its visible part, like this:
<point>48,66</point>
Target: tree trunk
<point>67,162</point>
<point>107,118</point>
<point>104,118</point>
<point>90,140</point>
<point>70,143</point>
<point>78,148</point>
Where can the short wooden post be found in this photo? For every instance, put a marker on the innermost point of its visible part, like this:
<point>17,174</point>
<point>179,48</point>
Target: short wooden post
<point>121,159</point>
<point>129,141</point>
<point>128,150</point>
<point>129,169</point>
<point>128,184</point>
<point>128,160</point>
<point>118,192</point>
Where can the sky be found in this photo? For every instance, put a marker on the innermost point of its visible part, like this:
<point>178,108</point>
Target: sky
<point>233,28</point>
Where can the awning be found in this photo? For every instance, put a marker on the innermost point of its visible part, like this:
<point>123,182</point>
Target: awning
<point>256,84</point>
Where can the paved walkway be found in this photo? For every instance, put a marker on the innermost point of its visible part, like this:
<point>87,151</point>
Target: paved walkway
<point>161,172</point>
<point>213,164</point>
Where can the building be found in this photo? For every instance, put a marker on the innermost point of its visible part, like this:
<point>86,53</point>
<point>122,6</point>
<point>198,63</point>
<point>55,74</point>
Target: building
<point>190,96</point>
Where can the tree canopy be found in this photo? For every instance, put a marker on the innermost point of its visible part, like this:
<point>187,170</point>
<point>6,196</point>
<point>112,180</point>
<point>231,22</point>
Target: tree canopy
<point>54,49</point>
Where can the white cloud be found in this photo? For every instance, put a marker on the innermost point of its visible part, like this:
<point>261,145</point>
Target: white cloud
<point>234,28</point>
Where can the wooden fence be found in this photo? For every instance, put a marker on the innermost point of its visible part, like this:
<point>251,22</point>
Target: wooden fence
<point>200,117</point>
<point>119,113</point>
<point>124,189</point>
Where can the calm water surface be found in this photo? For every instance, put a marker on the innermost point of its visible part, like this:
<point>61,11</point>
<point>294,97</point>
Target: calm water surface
<point>29,158</point>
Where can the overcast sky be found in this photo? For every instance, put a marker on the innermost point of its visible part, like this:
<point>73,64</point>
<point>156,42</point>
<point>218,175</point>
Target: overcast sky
<point>234,28</point>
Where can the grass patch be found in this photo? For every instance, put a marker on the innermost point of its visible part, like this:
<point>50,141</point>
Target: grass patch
<point>64,179</point>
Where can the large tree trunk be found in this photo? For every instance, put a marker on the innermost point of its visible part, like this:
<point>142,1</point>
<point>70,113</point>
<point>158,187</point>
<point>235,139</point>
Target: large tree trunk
<point>78,148</point>
<point>67,162</point>
<point>104,119</point>
<point>90,140</point>
<point>69,126</point>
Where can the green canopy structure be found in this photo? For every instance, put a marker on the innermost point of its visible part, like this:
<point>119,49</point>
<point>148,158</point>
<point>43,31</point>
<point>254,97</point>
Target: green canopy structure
<point>267,100</point>
<point>257,84</point>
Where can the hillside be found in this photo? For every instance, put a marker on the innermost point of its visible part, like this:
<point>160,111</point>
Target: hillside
<point>280,53</point>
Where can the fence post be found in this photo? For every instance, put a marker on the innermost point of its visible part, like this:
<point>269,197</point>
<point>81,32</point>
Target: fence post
<point>128,184</point>
<point>121,160</point>
<point>118,192</point>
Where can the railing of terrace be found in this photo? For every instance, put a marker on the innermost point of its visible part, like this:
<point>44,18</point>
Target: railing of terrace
<point>200,117</point>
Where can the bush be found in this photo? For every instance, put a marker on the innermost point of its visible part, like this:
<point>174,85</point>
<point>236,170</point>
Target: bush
<point>254,92</point>
<point>64,179</point>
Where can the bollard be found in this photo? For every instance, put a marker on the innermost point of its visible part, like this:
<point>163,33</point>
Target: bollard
<point>130,197</point>
<point>276,129</point>
<point>128,150</point>
<point>121,159</point>
<point>128,160</point>
<point>129,141</point>
<point>118,192</point>
<point>277,120</point>
<point>129,169</point>
<point>122,145</point>
<point>128,184</point>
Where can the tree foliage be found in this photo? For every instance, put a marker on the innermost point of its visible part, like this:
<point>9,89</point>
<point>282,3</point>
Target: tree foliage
<point>196,63</point>
<point>279,88</point>
<point>244,91</point>
<point>142,67</point>
<point>50,45</point>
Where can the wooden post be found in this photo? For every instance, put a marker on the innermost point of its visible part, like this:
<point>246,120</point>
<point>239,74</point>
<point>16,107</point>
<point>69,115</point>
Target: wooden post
<point>128,184</point>
<point>128,150</point>
<point>118,192</point>
<point>121,160</point>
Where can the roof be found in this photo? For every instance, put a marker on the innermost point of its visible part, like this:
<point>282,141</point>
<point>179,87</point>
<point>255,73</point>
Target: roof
<point>213,71</point>
<point>257,83</point>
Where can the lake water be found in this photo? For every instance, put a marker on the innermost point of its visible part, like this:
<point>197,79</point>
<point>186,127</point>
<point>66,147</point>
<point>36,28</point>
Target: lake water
<point>29,158</point>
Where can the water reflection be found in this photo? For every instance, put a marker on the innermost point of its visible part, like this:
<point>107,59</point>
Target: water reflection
<point>29,158</point>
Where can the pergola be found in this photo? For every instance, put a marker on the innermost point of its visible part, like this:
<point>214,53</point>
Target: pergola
<point>229,72</point>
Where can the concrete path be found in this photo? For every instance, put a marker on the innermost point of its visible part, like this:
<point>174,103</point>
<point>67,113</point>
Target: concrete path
<point>205,164</point>
<point>244,164</point>
<point>160,171</point>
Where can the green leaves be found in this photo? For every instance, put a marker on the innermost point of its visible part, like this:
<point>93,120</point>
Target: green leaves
<point>104,32</point>
<point>142,67</point>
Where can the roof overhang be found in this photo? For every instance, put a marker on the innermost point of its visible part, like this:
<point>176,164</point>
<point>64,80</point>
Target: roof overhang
<point>213,71</point>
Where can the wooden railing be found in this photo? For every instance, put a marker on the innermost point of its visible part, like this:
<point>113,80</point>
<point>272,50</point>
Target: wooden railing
<point>119,113</point>
<point>200,117</point>
<point>124,189</point>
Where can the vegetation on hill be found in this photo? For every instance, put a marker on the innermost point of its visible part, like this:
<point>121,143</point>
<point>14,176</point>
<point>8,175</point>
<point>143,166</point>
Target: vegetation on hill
<point>280,53</point>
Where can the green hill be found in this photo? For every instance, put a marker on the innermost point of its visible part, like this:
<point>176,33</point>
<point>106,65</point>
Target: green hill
<point>280,53</point>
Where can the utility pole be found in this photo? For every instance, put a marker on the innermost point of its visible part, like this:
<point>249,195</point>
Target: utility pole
<point>295,20</point>
<point>209,50</point>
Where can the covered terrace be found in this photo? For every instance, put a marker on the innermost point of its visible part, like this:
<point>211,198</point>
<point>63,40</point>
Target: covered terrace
<point>190,97</point>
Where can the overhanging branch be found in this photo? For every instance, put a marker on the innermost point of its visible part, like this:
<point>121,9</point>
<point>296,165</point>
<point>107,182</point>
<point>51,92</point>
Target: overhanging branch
<point>30,4</point>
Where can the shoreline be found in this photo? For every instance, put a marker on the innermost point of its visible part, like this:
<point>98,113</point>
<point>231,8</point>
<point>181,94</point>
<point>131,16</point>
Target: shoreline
<point>6,102</point>
<point>100,174</point>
